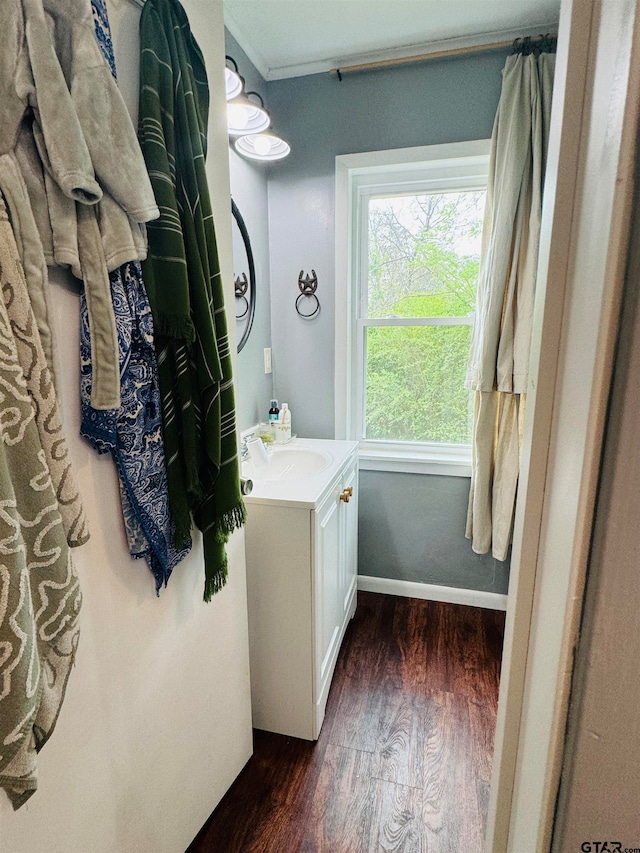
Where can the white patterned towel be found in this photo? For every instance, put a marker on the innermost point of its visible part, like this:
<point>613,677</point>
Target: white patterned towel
<point>39,591</point>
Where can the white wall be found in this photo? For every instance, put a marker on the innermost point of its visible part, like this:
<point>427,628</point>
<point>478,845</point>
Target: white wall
<point>600,788</point>
<point>156,723</point>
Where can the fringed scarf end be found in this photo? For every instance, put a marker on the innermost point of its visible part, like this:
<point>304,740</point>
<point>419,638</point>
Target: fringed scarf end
<point>175,326</point>
<point>213,583</point>
<point>229,521</point>
<point>181,524</point>
<point>216,578</point>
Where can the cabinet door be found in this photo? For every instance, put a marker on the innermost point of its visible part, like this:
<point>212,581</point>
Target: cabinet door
<point>348,570</point>
<point>328,604</point>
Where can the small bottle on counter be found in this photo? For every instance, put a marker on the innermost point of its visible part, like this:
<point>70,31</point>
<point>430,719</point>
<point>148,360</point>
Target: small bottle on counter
<point>283,425</point>
<point>274,411</point>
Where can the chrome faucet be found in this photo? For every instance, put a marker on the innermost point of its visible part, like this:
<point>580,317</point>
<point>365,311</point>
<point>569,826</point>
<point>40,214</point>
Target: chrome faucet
<point>244,450</point>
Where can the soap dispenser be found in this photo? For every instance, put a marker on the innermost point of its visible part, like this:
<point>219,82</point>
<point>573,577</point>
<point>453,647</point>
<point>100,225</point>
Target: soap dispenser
<point>283,425</point>
<point>274,411</point>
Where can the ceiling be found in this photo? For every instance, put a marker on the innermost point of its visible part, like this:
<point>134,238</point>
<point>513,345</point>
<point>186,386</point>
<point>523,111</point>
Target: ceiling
<point>290,38</point>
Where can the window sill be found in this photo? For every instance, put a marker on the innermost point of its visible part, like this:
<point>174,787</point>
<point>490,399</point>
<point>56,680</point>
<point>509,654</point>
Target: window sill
<point>453,462</point>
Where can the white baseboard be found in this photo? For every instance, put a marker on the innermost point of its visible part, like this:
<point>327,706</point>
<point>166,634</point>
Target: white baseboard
<point>433,592</point>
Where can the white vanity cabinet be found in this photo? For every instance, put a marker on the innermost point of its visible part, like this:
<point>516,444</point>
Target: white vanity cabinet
<point>301,588</point>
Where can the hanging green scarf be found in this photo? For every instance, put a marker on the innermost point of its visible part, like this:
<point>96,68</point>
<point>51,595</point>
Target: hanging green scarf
<point>182,277</point>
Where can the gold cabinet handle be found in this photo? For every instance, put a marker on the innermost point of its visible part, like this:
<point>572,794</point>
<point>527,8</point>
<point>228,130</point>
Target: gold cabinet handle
<point>350,490</point>
<point>345,495</point>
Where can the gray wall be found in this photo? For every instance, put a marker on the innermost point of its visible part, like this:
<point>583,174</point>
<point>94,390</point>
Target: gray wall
<point>254,388</point>
<point>447,100</point>
<point>411,526</point>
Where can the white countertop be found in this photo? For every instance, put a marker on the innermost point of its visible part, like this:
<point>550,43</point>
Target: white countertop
<point>308,491</point>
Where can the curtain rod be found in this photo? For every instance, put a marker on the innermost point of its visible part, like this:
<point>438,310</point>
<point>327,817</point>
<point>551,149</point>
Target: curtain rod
<point>422,57</point>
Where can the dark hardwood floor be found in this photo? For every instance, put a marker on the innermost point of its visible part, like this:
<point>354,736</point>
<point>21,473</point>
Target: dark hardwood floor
<point>403,761</point>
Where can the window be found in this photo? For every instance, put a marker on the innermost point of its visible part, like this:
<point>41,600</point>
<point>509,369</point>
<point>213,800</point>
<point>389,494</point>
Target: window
<point>408,248</point>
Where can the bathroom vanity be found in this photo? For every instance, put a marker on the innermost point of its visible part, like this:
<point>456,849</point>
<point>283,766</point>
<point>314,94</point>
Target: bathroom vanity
<point>301,537</point>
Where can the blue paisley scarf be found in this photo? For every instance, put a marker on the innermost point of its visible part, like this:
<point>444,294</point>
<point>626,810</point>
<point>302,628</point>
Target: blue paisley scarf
<point>133,433</point>
<point>103,32</point>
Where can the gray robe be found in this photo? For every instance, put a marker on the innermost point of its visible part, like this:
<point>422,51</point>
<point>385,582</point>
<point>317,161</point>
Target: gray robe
<point>66,132</point>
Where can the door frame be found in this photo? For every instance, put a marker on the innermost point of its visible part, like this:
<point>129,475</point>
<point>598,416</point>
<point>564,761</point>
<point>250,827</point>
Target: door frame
<point>583,251</point>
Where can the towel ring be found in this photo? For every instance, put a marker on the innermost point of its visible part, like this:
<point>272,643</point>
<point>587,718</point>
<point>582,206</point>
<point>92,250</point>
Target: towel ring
<point>308,286</point>
<point>307,296</point>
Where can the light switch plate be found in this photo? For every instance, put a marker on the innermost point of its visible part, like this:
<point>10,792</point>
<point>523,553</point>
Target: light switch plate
<point>267,359</point>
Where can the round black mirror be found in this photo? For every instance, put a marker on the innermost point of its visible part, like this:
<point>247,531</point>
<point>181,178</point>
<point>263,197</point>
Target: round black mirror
<point>244,276</point>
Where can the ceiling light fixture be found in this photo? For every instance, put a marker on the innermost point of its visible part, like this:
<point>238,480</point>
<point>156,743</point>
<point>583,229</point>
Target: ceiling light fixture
<point>262,146</point>
<point>247,120</point>
<point>233,81</point>
<point>244,116</point>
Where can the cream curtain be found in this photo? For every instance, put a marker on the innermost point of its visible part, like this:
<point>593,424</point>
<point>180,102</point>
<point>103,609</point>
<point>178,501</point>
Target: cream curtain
<point>501,341</point>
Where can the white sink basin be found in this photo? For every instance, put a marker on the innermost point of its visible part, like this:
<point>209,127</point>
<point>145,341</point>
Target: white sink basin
<point>288,463</point>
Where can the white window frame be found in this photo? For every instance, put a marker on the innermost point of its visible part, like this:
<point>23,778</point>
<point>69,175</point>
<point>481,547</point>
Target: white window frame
<point>451,166</point>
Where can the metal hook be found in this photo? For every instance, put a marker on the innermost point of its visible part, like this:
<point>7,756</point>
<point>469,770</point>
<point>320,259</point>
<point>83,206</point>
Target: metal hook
<point>241,287</point>
<point>307,286</point>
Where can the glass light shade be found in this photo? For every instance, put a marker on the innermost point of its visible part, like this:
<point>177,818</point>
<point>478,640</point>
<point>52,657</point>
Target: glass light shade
<point>243,116</point>
<point>262,146</point>
<point>233,83</point>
